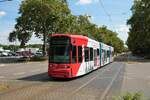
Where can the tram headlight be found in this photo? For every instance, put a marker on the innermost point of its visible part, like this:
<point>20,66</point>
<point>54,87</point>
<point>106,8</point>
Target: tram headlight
<point>66,67</point>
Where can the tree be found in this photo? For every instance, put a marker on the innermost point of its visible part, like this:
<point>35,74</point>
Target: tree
<point>39,17</point>
<point>110,38</point>
<point>139,35</point>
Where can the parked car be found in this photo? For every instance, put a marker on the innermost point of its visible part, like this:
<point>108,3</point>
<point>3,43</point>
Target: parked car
<point>39,53</point>
<point>0,54</point>
<point>4,53</point>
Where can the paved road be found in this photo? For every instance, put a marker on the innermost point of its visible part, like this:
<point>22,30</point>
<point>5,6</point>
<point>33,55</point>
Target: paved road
<point>30,82</point>
<point>15,71</point>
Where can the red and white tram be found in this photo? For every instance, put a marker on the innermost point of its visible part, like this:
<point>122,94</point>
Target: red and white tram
<point>75,55</point>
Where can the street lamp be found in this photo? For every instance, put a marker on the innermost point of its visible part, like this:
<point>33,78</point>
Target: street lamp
<point>4,0</point>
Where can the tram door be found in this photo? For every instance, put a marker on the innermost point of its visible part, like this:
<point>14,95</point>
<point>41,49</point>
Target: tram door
<point>86,56</point>
<point>102,57</point>
<point>95,58</point>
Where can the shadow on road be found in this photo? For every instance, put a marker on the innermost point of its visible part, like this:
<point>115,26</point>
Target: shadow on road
<point>42,77</point>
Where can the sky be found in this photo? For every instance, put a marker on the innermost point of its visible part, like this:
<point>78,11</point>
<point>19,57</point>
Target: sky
<point>111,13</point>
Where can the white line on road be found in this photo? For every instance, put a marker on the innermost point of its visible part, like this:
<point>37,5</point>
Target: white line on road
<point>2,77</point>
<point>36,70</point>
<point>82,86</point>
<point>20,73</point>
<point>110,85</point>
<point>2,65</point>
<point>128,78</point>
<point>148,77</point>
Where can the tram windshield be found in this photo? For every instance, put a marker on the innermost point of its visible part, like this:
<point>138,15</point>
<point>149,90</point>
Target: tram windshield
<point>59,50</point>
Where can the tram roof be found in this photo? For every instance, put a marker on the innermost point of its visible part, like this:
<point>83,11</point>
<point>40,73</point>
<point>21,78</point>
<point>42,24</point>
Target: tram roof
<point>71,36</point>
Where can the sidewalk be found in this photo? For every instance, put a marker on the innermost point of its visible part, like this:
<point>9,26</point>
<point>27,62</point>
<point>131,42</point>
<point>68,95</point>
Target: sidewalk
<point>137,78</point>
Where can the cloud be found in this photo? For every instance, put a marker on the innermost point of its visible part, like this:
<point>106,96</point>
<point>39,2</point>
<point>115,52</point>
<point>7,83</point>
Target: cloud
<point>91,18</point>
<point>85,2</point>
<point>123,29</point>
<point>2,13</point>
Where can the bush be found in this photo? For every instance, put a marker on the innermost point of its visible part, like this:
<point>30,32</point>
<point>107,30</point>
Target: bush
<point>3,87</point>
<point>39,58</point>
<point>147,56</point>
<point>24,59</point>
<point>129,96</point>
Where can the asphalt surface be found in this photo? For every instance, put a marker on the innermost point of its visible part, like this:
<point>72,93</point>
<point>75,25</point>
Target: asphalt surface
<point>14,71</point>
<point>29,81</point>
<point>137,79</point>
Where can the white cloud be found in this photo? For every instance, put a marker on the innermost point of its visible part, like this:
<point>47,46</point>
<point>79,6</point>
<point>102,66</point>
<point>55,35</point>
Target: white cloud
<point>85,2</point>
<point>91,18</point>
<point>2,13</point>
<point>123,29</point>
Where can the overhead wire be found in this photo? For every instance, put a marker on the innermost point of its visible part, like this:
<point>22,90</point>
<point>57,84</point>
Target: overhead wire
<point>107,14</point>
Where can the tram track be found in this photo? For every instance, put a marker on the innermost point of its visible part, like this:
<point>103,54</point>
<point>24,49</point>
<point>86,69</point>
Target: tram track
<point>101,96</point>
<point>58,90</point>
<point>73,92</point>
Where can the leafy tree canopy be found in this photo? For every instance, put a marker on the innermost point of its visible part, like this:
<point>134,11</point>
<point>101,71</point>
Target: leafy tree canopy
<point>41,17</point>
<point>139,35</point>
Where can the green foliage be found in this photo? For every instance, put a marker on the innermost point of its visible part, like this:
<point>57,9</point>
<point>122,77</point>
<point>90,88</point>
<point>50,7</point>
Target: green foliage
<point>139,35</point>
<point>34,46</point>
<point>41,17</point>
<point>34,58</point>
<point>3,87</point>
<point>10,47</point>
<point>24,59</point>
<point>16,47</point>
<point>109,37</point>
<point>129,96</point>
<point>39,58</point>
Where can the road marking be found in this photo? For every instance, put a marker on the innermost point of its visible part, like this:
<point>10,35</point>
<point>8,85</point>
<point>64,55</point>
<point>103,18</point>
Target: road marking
<point>130,73</point>
<point>148,77</point>
<point>20,73</point>
<point>110,85</point>
<point>2,65</point>
<point>2,77</point>
<point>127,78</point>
<point>82,86</point>
<point>36,70</point>
<point>103,77</point>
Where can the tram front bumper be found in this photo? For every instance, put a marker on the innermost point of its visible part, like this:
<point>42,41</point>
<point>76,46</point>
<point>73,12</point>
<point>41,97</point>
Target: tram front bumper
<point>60,73</point>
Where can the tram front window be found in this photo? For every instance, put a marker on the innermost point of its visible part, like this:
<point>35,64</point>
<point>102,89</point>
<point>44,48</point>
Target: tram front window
<point>59,50</point>
<point>60,54</point>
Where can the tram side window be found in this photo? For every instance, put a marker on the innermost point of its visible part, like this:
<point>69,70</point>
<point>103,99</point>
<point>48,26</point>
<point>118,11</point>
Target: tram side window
<point>86,54</point>
<point>74,54</point>
<point>108,53</point>
<point>105,55</point>
<point>98,52</point>
<point>91,54</point>
<point>80,54</point>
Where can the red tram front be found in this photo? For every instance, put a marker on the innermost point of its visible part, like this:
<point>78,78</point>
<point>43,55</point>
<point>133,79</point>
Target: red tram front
<point>65,55</point>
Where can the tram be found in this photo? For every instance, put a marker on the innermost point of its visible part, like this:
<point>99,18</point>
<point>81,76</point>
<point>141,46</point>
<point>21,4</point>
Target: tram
<point>75,55</point>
